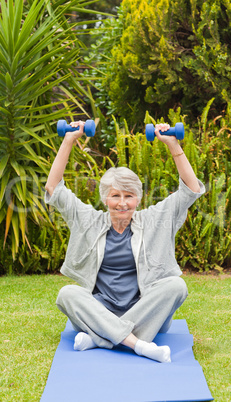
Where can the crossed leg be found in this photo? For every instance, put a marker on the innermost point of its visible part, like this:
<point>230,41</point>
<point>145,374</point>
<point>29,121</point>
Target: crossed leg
<point>135,329</point>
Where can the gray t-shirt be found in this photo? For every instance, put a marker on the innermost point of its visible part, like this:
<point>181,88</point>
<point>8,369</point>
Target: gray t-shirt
<point>116,285</point>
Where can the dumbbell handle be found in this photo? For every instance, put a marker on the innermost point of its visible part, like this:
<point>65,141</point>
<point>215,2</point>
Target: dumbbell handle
<point>177,131</point>
<point>63,128</point>
<point>170,131</point>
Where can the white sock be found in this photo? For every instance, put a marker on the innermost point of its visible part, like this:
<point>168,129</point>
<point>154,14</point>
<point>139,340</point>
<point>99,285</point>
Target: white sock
<point>83,341</point>
<point>152,351</point>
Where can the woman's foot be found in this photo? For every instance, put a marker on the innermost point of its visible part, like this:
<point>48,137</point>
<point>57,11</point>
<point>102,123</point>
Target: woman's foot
<point>83,341</point>
<point>152,351</point>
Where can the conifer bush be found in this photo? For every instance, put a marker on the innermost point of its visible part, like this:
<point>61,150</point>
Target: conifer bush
<point>161,54</point>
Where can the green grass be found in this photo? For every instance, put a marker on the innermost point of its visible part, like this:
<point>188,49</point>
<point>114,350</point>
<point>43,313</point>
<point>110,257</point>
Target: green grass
<point>31,326</point>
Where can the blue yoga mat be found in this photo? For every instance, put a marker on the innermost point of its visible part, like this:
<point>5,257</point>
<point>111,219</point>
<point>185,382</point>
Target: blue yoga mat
<point>119,375</point>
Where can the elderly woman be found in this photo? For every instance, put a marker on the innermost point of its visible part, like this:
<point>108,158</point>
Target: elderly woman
<point>123,260</point>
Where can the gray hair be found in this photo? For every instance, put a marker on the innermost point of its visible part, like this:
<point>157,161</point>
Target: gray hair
<point>122,179</point>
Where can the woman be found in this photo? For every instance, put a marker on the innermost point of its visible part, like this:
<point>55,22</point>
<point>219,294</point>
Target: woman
<point>123,259</point>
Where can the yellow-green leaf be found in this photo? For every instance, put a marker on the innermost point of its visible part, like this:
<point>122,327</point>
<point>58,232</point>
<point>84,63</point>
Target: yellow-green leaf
<point>14,221</point>
<point>3,164</point>
<point>16,166</point>
<point>9,82</point>
<point>8,220</point>
<point>22,222</point>
<point>3,186</point>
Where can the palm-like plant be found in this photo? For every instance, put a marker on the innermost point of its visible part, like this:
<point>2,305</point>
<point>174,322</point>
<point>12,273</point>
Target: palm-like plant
<point>38,52</point>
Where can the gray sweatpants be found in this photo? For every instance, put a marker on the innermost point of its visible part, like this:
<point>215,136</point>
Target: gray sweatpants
<point>150,315</point>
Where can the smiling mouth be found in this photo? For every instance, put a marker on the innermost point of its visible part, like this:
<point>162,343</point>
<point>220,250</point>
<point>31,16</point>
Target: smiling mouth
<point>121,210</point>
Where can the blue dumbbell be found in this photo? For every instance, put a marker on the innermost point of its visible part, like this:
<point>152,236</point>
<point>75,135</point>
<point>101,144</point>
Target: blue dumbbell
<point>63,127</point>
<point>177,131</point>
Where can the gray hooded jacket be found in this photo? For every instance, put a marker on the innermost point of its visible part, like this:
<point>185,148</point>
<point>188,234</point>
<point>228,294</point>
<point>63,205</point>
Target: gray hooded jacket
<point>153,240</point>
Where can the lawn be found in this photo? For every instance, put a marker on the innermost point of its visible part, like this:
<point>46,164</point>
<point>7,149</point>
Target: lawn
<point>31,326</point>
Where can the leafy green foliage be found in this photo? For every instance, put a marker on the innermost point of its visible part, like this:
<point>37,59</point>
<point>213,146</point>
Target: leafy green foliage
<point>204,242</point>
<point>99,10</point>
<point>105,38</point>
<point>162,54</point>
<point>147,50</point>
<point>38,54</point>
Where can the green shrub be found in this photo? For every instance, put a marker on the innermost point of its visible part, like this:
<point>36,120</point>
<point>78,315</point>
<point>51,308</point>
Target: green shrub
<point>39,50</point>
<point>204,241</point>
<point>161,54</point>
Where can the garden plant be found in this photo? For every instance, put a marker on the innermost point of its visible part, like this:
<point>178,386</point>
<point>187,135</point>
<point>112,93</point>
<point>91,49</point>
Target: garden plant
<point>161,54</point>
<point>39,80</point>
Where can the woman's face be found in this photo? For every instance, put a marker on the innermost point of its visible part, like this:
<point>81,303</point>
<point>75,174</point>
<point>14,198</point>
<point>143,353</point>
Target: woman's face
<point>121,205</point>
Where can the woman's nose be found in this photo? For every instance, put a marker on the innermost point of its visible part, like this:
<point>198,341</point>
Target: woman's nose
<point>122,201</point>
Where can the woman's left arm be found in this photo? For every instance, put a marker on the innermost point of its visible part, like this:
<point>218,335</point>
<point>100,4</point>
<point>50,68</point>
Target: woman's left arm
<point>183,166</point>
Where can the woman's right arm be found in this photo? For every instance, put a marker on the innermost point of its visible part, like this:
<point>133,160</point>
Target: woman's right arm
<point>61,159</point>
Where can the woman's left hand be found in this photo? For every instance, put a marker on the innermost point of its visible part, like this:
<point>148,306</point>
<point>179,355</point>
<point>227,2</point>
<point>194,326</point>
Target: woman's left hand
<point>166,139</point>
